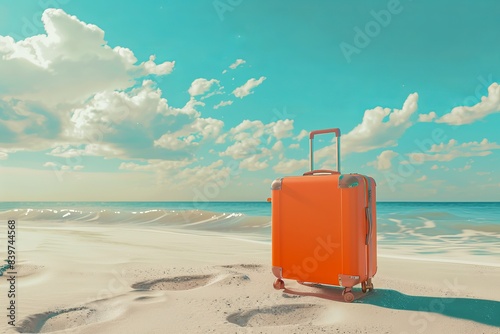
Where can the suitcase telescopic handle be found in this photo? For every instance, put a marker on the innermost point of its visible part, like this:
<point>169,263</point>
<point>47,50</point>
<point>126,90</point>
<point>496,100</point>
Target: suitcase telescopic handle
<point>321,171</point>
<point>311,140</point>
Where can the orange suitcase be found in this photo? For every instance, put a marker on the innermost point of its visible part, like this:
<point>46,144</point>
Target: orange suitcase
<point>324,227</point>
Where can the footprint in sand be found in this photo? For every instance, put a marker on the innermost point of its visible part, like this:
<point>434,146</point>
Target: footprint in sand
<point>275,316</point>
<point>57,320</point>
<point>22,269</point>
<point>72,319</point>
<point>174,283</point>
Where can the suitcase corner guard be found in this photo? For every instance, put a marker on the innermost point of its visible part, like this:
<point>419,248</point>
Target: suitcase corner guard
<point>348,280</point>
<point>276,185</point>
<point>278,272</point>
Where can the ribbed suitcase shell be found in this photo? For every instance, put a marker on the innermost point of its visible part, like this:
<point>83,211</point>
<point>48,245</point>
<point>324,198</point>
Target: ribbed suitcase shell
<point>320,229</point>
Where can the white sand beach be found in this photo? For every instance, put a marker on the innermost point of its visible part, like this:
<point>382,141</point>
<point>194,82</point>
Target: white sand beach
<point>94,278</point>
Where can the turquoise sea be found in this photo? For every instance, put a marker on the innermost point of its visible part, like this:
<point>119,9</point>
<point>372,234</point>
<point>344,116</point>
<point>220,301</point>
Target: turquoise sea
<point>440,231</point>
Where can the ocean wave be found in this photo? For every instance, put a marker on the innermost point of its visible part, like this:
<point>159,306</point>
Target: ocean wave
<point>191,219</point>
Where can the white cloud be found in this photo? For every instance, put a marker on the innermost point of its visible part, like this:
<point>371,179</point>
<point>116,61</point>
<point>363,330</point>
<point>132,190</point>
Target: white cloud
<point>452,150</point>
<point>374,133</point>
<point>383,161</point>
<point>421,179</point>
<point>242,148</point>
<point>215,92</point>
<point>155,165</point>
<point>237,63</point>
<point>70,51</point>
<point>465,115</point>
<point>223,104</point>
<point>278,146</point>
<point>248,137</point>
<point>108,109</point>
<point>282,128</point>
<point>191,135</point>
<point>253,163</point>
<point>78,167</point>
<point>94,149</point>
<point>425,118</point>
<point>183,174</point>
<point>290,166</point>
<point>49,164</point>
<point>434,167</point>
<point>246,89</point>
<point>158,69</point>
<point>248,128</point>
<point>201,86</point>
<point>99,113</point>
<point>301,135</point>
<point>173,142</point>
<point>468,165</point>
<point>294,146</point>
<point>221,139</point>
<point>207,127</point>
<point>189,109</point>
<point>145,119</point>
<point>473,145</point>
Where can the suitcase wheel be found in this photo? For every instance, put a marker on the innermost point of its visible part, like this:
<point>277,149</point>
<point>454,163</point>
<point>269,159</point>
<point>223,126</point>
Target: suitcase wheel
<point>369,285</point>
<point>348,295</point>
<point>279,284</point>
<point>363,287</point>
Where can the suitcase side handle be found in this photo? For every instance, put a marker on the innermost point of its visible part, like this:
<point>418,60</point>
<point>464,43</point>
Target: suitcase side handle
<point>370,223</point>
<point>311,150</point>
<point>321,171</point>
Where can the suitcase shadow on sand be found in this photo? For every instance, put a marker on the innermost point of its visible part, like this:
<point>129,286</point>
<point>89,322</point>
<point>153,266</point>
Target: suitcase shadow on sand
<point>479,310</point>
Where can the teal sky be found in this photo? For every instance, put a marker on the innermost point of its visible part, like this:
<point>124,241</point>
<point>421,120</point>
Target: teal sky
<point>223,106</point>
